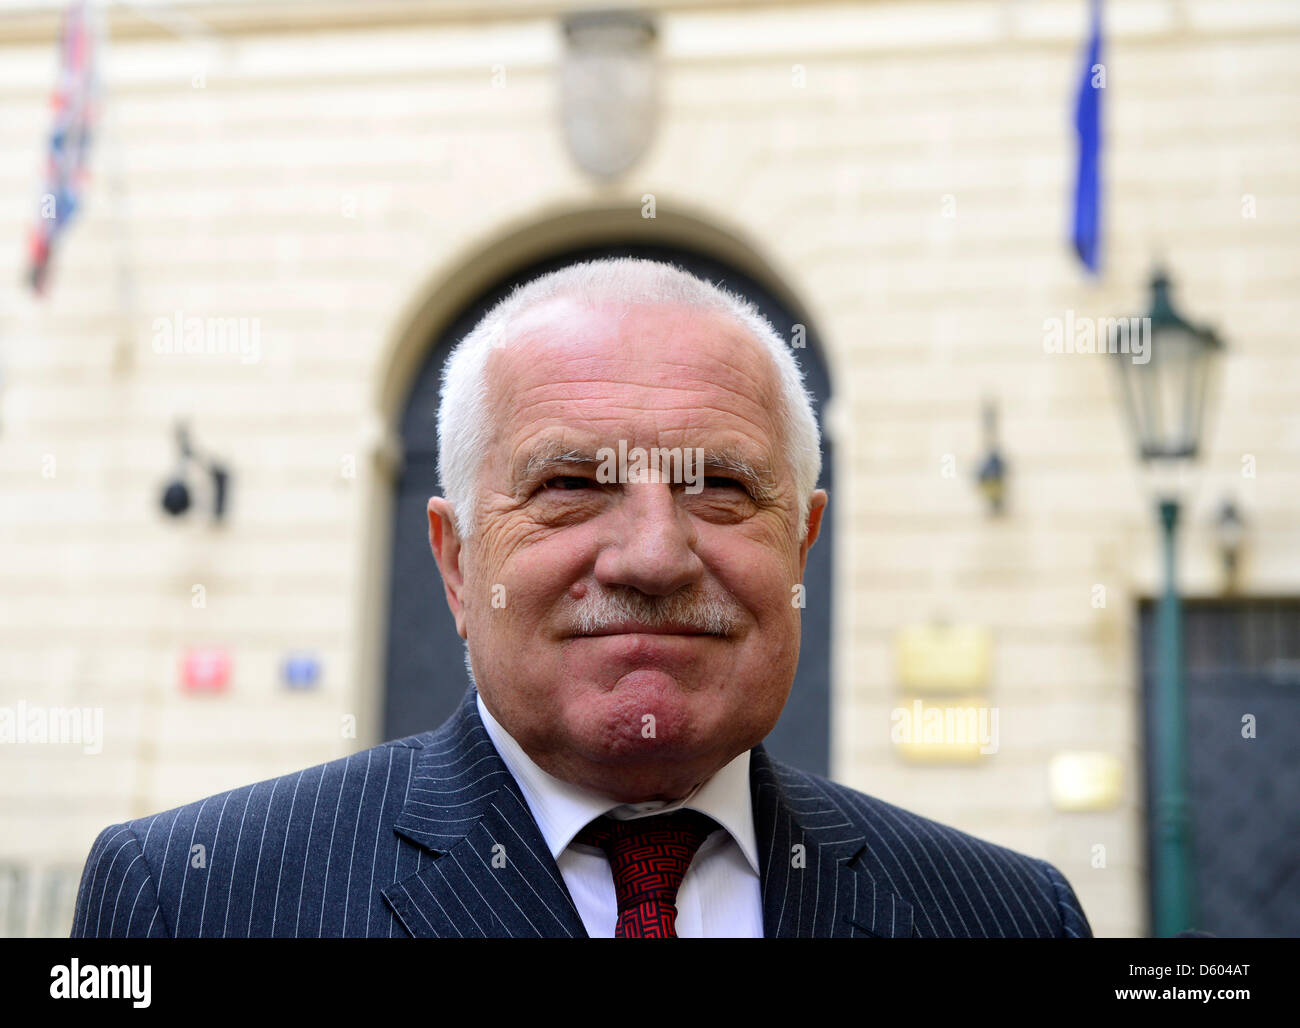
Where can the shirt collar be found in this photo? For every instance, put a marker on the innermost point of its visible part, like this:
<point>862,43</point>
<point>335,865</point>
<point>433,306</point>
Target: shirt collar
<point>563,809</point>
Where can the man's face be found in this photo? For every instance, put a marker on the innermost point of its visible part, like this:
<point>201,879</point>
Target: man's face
<point>650,706</point>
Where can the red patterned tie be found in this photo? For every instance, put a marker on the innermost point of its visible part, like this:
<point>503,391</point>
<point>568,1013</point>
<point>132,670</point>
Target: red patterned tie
<point>649,857</point>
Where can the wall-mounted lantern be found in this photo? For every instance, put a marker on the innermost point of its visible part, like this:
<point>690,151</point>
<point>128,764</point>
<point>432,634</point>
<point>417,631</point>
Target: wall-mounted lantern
<point>992,475</point>
<point>176,494</point>
<point>1230,533</point>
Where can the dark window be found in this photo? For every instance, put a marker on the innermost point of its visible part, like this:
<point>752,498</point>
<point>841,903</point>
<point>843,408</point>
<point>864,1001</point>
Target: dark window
<point>1241,657</point>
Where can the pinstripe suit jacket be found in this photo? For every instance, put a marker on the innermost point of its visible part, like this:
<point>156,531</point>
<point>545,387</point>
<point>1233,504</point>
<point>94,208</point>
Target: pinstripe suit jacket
<point>430,836</point>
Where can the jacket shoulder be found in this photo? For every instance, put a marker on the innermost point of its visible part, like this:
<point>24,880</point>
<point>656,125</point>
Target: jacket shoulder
<point>958,883</point>
<point>142,875</point>
<point>259,796</point>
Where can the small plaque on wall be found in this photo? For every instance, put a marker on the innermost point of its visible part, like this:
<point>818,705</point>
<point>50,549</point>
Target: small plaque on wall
<point>205,670</point>
<point>952,730</point>
<point>301,671</point>
<point>1085,781</point>
<point>944,658</point>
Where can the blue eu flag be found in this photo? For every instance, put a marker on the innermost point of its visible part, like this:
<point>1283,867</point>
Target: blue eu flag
<point>1087,119</point>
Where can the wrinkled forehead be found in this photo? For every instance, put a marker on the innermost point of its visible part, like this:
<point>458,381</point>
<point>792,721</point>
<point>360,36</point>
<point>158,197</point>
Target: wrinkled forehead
<point>661,370</point>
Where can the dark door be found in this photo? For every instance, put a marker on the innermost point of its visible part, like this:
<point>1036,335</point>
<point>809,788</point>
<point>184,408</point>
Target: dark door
<point>1242,658</point>
<point>425,669</point>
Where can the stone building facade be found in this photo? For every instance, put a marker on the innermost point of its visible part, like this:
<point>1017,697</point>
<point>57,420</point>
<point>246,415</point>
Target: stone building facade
<point>345,177</point>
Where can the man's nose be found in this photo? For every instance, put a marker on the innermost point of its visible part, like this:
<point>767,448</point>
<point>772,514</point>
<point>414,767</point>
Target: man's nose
<point>654,547</point>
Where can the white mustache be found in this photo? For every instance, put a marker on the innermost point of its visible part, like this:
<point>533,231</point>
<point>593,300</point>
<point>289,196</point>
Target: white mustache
<point>602,611</point>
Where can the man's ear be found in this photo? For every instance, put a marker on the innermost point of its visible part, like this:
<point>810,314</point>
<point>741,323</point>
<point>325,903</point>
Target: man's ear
<point>816,508</point>
<point>447,550</point>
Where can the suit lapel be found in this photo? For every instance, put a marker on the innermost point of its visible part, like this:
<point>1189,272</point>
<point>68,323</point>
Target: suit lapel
<point>814,879</point>
<point>489,872</point>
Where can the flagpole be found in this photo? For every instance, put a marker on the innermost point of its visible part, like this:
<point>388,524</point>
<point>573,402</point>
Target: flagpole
<point>186,27</point>
<point>114,179</point>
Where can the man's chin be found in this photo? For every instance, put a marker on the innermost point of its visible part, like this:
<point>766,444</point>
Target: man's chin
<point>663,755</point>
<point>648,712</point>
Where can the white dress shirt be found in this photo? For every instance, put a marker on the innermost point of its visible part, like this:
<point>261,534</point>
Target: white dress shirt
<point>721,894</point>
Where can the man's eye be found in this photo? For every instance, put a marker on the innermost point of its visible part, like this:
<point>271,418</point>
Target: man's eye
<point>566,483</point>
<point>719,482</point>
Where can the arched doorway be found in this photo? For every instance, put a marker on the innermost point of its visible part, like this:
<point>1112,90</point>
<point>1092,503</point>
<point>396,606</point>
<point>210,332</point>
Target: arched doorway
<point>425,675</point>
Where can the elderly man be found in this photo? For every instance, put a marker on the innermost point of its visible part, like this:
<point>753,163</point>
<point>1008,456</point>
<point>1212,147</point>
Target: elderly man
<point>629,464</point>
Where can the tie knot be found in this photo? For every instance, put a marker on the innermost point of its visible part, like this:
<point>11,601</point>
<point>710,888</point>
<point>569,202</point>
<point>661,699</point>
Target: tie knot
<point>680,828</point>
<point>648,857</point>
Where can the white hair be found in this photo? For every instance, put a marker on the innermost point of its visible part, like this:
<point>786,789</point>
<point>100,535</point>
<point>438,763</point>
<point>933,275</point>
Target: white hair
<point>464,428</point>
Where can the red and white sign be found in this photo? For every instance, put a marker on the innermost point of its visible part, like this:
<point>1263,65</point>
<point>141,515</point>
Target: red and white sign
<point>205,670</point>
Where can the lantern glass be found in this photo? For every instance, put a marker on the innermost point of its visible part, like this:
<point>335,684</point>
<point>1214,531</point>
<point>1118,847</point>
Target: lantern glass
<point>1165,396</point>
<point>1173,394</point>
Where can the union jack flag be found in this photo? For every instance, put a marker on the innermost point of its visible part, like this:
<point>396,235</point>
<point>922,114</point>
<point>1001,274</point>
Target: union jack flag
<point>76,107</point>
